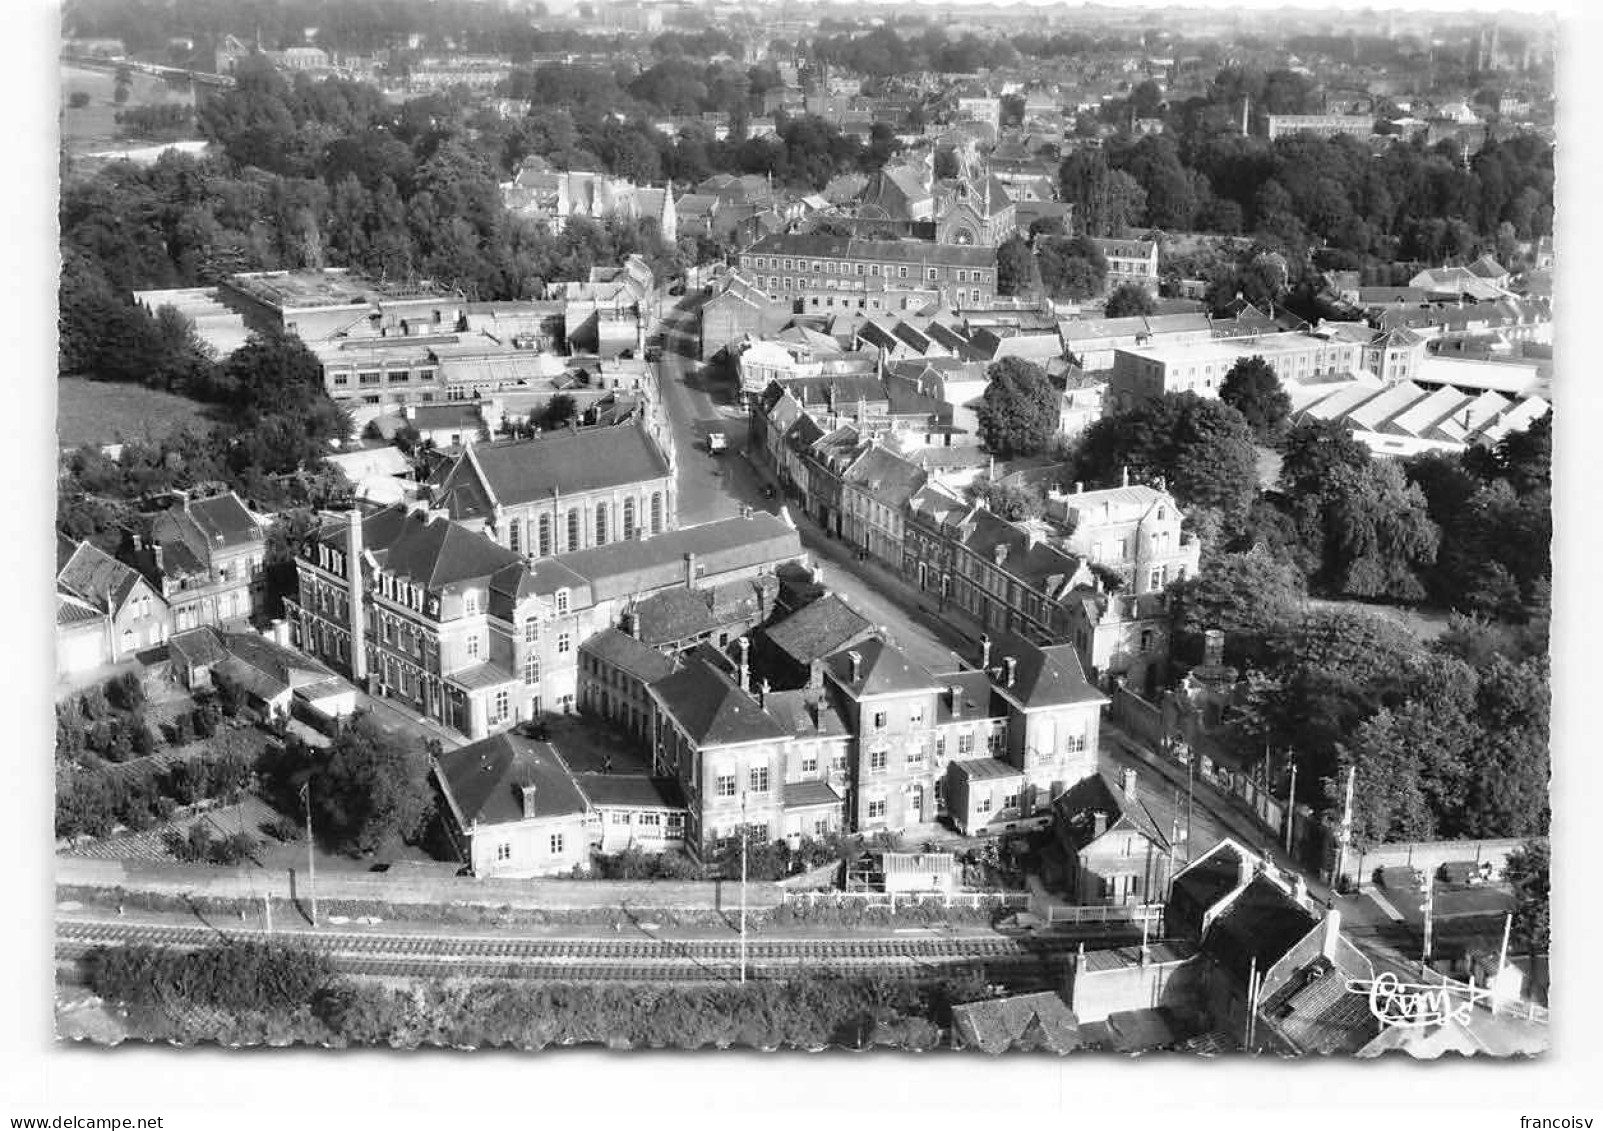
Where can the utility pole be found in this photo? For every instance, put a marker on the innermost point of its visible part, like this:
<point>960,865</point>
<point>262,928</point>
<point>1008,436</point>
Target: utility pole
<point>1191,790</point>
<point>1430,905</point>
<point>1502,956</point>
<point>1346,830</point>
<point>745,838</point>
<point>311,862</point>
<point>1291,803</point>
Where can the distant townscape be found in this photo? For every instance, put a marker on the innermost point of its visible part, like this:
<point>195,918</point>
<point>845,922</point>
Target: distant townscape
<point>980,529</point>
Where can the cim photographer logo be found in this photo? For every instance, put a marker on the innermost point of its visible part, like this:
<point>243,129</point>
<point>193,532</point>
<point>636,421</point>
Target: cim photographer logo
<point>1410,1005</point>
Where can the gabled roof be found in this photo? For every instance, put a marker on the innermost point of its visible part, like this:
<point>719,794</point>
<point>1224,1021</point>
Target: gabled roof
<point>806,714</point>
<point>1078,807</point>
<point>432,554</point>
<point>96,578</point>
<point>883,669</point>
<point>1043,676</point>
<point>511,472</point>
<point>1259,925</point>
<point>711,710</point>
<point>223,521</point>
<point>483,782</point>
<point>818,630</point>
<point>1039,1020</point>
<point>622,569</point>
<point>627,654</point>
<point>890,479</point>
<point>632,791</point>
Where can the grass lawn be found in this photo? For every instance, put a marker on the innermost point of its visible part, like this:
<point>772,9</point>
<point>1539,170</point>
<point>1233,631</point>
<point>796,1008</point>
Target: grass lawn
<point>97,412</point>
<point>94,127</point>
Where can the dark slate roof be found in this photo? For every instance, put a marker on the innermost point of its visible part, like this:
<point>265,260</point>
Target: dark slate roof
<point>521,471</point>
<point>806,714</point>
<point>1262,923</point>
<point>1076,809</point>
<point>1315,1012</point>
<point>993,1026</point>
<point>974,693</point>
<point>483,781</point>
<point>224,521</point>
<point>96,578</point>
<point>818,630</point>
<point>888,477</point>
<point>885,669</point>
<point>711,710</point>
<point>627,568</point>
<point>198,647</point>
<point>431,554</point>
<point>634,791</point>
<point>1203,883</point>
<point>677,614</point>
<point>807,794</point>
<point>627,654</point>
<point>1048,676</point>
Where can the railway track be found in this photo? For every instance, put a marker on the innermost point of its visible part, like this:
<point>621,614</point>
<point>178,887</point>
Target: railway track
<point>658,960</point>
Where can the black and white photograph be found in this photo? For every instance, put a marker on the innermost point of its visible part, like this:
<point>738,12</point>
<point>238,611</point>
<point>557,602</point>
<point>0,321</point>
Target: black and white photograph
<point>997,531</point>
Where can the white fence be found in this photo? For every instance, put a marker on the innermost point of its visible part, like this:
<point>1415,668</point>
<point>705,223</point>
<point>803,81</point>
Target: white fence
<point>973,899</point>
<point>1134,913</point>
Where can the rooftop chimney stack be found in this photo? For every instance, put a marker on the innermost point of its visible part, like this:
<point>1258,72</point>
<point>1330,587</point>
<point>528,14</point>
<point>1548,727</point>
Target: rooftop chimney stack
<point>1125,476</point>
<point>1244,872</point>
<point>690,571</point>
<point>956,693</point>
<point>762,692</point>
<point>528,801</point>
<point>1011,665</point>
<point>856,659</point>
<point>1127,782</point>
<point>985,651</point>
<point>1332,933</point>
<point>1099,823</point>
<point>745,662</point>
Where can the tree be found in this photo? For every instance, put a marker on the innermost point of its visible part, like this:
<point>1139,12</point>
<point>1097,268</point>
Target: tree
<point>1012,501</point>
<point>1201,448</point>
<point>558,411</point>
<point>1071,268</point>
<point>1248,596</point>
<point>1253,389</point>
<point>1528,871</point>
<point>1018,414</point>
<point>373,790</point>
<point>1015,267</point>
<point>1129,299</point>
<point>124,83</point>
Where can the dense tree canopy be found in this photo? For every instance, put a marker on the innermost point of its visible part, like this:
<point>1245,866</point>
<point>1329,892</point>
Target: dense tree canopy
<point>372,792</point>
<point>1018,414</point>
<point>1201,448</point>
<point>1129,299</point>
<point>1071,268</point>
<point>1252,388</point>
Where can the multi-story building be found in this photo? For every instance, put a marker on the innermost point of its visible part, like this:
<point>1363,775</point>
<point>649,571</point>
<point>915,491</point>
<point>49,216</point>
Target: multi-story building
<point>614,671</point>
<point>205,558</point>
<point>1010,577</point>
<point>318,305</point>
<point>442,619</point>
<point>1130,261</point>
<point>1136,530</point>
<point>875,490</point>
<point>1320,125</point>
<point>563,492</point>
<point>818,271</point>
<point>555,195</point>
<point>1149,372</point>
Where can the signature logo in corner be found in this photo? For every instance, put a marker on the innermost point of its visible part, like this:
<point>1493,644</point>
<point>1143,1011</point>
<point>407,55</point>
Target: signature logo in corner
<point>1409,1005</point>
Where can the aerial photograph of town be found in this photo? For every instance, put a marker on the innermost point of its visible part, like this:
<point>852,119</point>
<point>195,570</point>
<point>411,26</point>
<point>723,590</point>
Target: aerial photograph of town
<point>757,525</point>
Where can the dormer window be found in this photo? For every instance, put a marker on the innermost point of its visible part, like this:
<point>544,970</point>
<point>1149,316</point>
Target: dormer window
<point>562,602</point>
<point>470,603</point>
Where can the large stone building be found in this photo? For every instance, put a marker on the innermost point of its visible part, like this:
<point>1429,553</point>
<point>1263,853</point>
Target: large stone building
<point>819,272</point>
<point>563,492</point>
<point>205,557</point>
<point>555,195</point>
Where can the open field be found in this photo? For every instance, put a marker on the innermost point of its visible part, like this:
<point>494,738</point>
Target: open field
<point>95,126</point>
<point>96,412</point>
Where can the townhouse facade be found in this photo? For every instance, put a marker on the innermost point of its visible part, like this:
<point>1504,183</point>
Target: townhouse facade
<point>205,557</point>
<point>105,610</point>
<point>879,745</point>
<point>1129,261</point>
<point>1135,529</point>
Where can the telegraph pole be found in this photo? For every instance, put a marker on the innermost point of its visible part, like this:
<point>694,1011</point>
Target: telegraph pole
<point>745,837</point>
<point>1346,829</point>
<point>1430,905</point>
<point>311,861</point>
<point>1291,804</point>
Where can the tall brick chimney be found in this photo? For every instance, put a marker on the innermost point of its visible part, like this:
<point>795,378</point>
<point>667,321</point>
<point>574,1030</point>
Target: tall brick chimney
<point>353,584</point>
